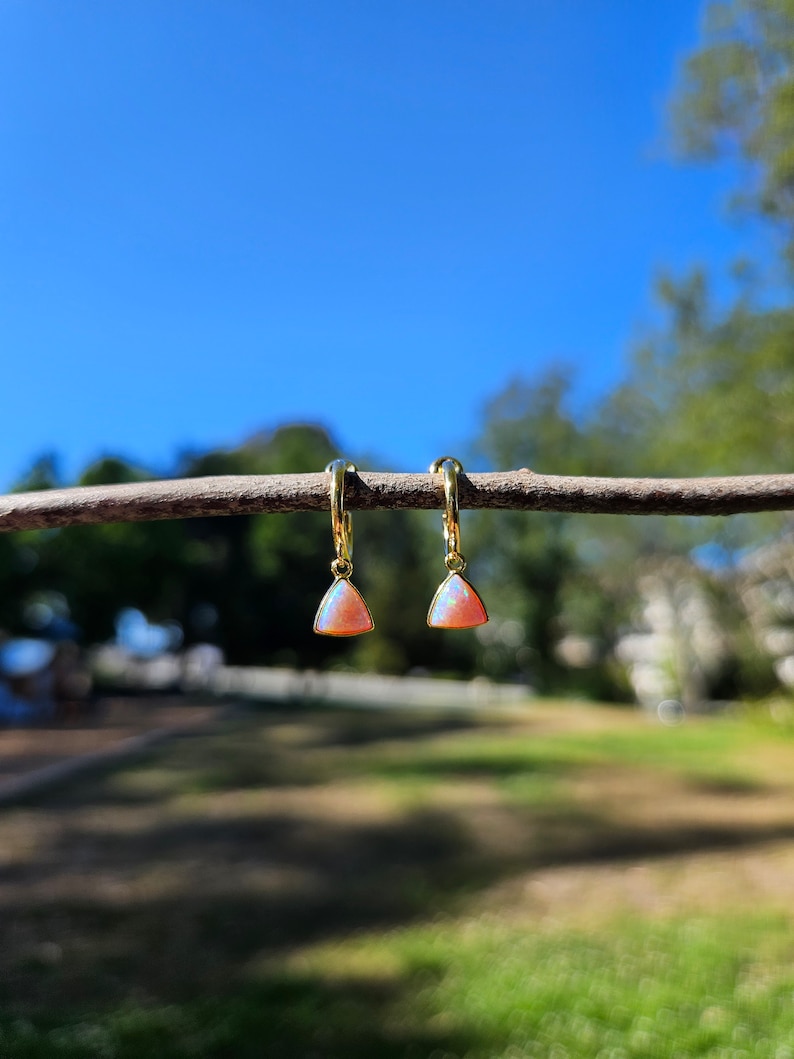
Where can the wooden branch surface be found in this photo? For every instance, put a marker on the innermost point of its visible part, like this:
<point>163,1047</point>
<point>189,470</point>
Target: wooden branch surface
<point>514,490</point>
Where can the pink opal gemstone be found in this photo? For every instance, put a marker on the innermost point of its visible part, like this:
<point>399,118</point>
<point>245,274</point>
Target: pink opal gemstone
<point>342,611</point>
<point>456,605</point>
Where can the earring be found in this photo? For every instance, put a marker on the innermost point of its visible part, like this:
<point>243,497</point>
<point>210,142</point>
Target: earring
<point>456,604</point>
<point>342,610</point>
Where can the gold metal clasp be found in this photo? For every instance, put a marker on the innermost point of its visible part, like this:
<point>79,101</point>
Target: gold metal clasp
<point>450,468</point>
<point>341,522</point>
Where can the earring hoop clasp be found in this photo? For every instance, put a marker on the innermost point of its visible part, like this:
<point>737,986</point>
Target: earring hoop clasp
<point>341,522</point>
<point>450,468</point>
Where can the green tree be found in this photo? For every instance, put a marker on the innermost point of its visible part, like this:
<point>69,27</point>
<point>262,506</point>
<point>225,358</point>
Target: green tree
<point>735,100</point>
<point>264,575</point>
<point>711,390</point>
<point>44,473</point>
<point>100,569</point>
<point>536,567</point>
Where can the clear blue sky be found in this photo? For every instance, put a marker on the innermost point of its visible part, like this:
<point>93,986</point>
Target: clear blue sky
<point>219,216</point>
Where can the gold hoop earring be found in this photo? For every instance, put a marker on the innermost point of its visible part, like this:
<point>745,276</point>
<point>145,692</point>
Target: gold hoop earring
<point>342,610</point>
<point>456,604</point>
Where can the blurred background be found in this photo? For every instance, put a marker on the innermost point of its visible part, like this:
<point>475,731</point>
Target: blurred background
<point>249,237</point>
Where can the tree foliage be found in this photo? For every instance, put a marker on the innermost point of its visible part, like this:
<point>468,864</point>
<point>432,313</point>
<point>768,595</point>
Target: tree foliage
<point>736,100</point>
<point>710,390</point>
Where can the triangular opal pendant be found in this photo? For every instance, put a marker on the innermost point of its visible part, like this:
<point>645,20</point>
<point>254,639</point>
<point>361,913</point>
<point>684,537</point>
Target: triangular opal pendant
<point>456,605</point>
<point>342,611</point>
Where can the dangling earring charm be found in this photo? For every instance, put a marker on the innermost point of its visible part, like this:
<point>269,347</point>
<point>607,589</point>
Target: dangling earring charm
<point>456,604</point>
<point>342,610</point>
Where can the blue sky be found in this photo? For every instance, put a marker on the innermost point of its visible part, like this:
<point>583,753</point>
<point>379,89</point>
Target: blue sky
<point>219,216</point>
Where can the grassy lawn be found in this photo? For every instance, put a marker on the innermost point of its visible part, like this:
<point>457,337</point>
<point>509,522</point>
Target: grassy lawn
<point>569,881</point>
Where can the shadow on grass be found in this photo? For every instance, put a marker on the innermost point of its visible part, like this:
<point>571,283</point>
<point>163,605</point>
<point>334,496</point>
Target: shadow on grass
<point>161,931</point>
<point>473,764</point>
<point>192,973</point>
<point>277,1018</point>
<point>203,767</point>
<point>368,728</point>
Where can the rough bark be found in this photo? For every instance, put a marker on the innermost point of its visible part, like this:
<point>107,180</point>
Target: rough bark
<point>521,490</point>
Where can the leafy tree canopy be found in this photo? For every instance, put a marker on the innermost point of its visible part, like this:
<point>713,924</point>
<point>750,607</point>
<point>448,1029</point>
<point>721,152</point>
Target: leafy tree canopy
<point>736,100</point>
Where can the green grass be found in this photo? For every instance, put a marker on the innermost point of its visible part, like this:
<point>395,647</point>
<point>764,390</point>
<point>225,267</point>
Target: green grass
<point>706,987</point>
<point>569,882</point>
<point>687,988</point>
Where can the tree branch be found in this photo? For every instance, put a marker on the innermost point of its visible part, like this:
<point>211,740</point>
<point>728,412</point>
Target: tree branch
<point>514,490</point>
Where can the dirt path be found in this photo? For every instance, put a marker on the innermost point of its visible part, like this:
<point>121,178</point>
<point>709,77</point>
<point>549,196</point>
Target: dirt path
<point>34,757</point>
